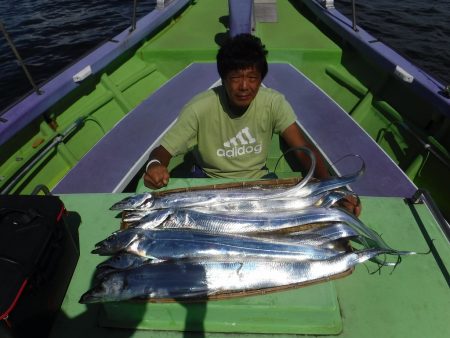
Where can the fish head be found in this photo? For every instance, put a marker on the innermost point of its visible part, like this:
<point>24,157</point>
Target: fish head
<point>119,261</point>
<point>109,289</point>
<point>116,242</point>
<point>95,295</point>
<point>139,201</point>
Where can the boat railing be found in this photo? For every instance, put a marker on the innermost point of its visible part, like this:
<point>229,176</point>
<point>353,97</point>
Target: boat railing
<point>134,16</point>
<point>423,196</point>
<point>160,4</point>
<point>433,150</point>
<point>354,26</point>
<point>329,4</point>
<point>19,59</point>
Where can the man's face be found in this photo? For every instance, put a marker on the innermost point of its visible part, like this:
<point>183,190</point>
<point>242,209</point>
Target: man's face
<point>242,86</point>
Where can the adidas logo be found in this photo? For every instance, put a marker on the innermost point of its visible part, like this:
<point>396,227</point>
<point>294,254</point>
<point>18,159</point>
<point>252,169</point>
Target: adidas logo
<point>243,143</point>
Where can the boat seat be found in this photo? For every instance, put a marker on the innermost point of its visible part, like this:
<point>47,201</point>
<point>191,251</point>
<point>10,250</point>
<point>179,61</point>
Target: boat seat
<point>111,164</point>
<point>336,134</point>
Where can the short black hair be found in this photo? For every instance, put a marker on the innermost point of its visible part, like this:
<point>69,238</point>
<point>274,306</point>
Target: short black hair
<point>240,52</point>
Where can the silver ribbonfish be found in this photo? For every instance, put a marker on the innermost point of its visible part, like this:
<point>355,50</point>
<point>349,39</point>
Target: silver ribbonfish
<point>201,198</point>
<point>199,280</point>
<point>192,245</point>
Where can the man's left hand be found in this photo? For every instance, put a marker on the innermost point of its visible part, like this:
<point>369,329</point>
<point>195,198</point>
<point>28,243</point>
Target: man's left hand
<point>352,204</point>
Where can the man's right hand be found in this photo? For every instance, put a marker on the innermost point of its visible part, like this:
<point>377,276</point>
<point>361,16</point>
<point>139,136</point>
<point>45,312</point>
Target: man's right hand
<point>156,176</point>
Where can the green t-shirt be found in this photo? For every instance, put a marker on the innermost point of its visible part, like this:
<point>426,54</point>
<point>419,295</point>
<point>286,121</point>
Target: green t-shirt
<point>227,146</point>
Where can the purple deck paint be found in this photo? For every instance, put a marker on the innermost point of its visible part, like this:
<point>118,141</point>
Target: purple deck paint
<point>338,135</point>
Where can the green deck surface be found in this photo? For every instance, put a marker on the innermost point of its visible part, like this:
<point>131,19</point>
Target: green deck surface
<point>412,301</point>
<point>309,310</point>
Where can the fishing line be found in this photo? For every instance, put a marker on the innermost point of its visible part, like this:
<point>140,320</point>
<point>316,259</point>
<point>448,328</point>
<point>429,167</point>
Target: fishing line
<point>308,152</point>
<point>363,163</point>
<point>399,260</point>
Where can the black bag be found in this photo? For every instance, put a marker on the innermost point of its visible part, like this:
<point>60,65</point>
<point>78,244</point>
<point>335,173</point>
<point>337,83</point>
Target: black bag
<point>33,242</point>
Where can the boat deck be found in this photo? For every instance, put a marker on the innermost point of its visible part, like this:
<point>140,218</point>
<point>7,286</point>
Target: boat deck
<point>395,301</point>
<point>126,147</point>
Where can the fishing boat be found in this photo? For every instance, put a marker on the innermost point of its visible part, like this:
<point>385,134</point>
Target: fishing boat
<point>86,135</point>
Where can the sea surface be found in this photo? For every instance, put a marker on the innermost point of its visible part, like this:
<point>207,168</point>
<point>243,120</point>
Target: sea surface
<point>52,34</point>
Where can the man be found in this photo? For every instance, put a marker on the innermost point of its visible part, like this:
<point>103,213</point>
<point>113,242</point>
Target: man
<point>230,127</point>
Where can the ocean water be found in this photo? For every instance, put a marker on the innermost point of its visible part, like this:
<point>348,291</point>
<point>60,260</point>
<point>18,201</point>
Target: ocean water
<point>51,34</point>
<point>418,30</point>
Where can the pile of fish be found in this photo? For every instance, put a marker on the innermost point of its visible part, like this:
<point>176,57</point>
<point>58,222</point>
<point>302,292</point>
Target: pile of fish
<point>205,244</point>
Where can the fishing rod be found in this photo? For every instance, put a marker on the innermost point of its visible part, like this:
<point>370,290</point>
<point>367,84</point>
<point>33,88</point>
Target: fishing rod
<point>59,138</point>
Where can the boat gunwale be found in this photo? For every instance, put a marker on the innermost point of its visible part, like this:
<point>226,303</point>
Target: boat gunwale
<point>19,115</point>
<point>384,56</point>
